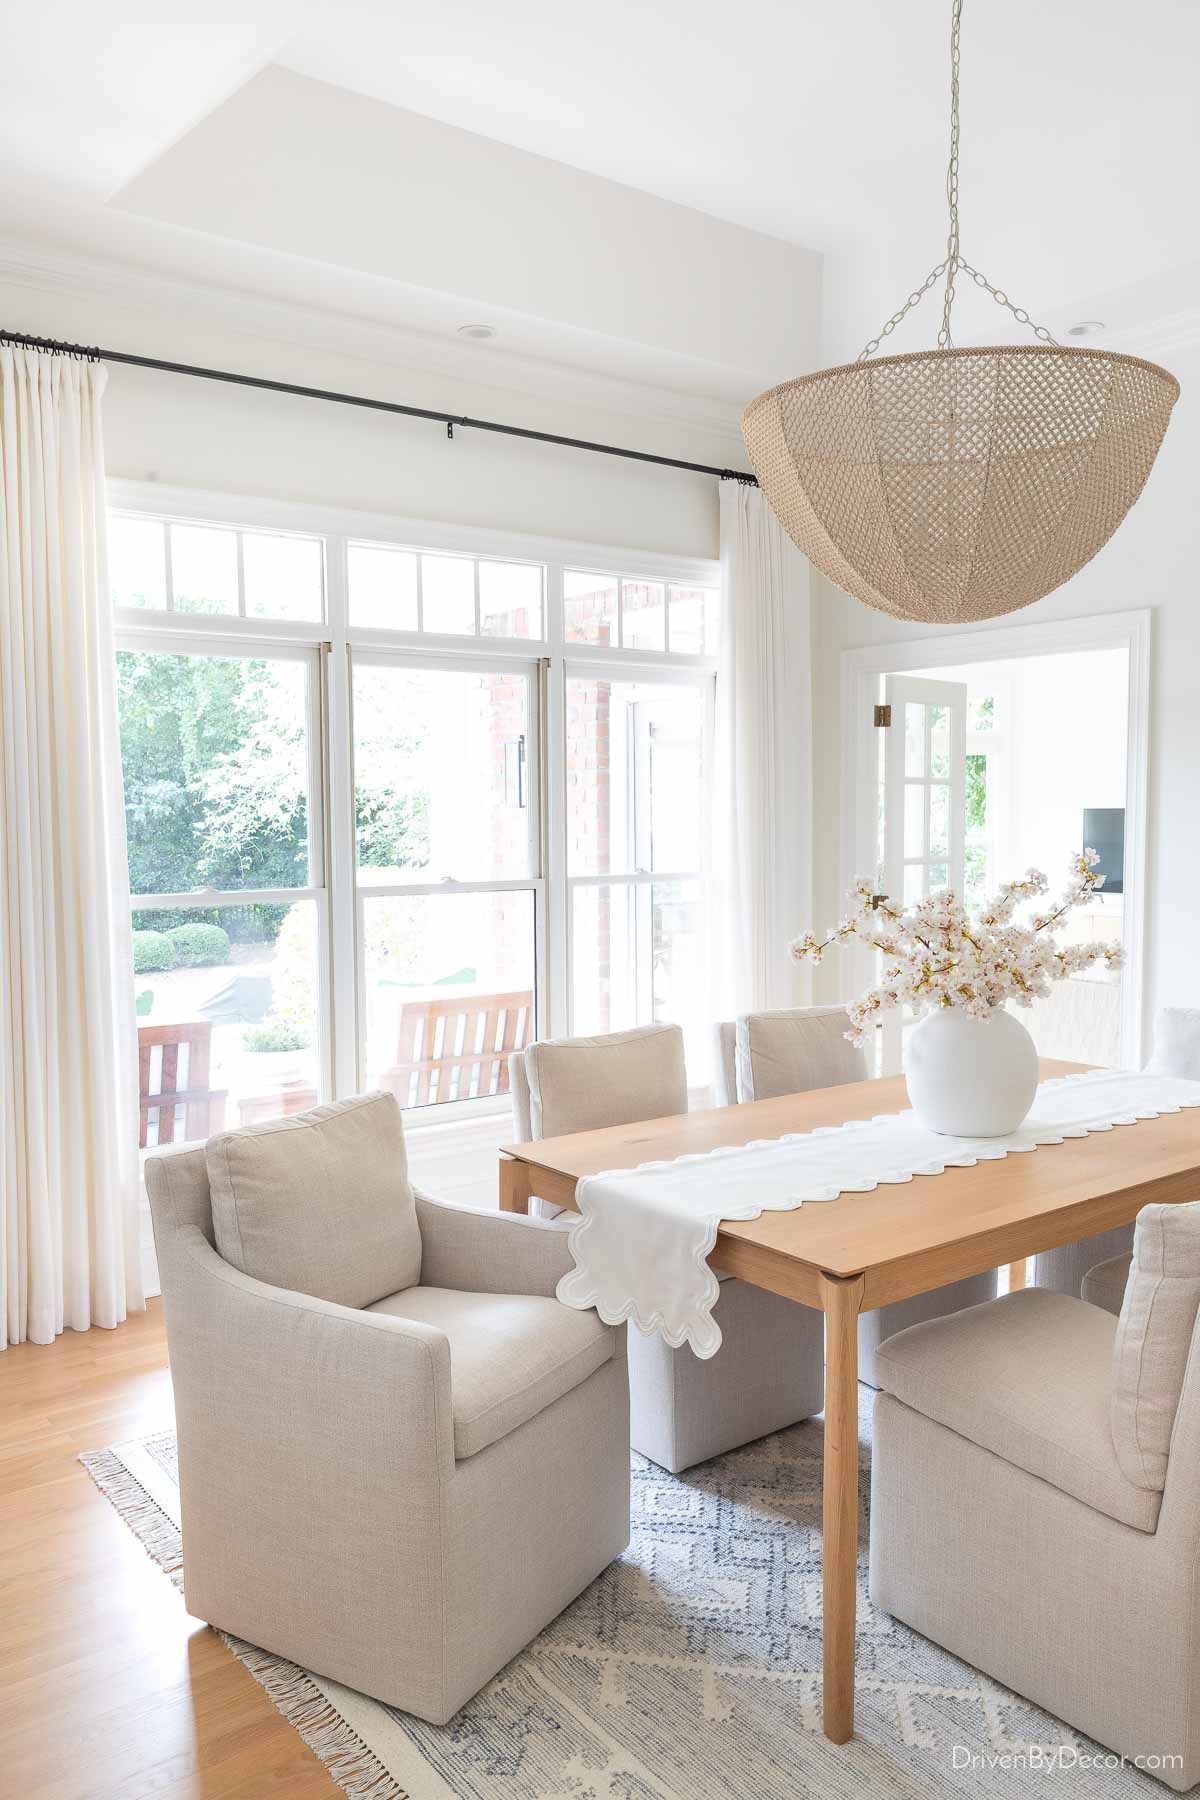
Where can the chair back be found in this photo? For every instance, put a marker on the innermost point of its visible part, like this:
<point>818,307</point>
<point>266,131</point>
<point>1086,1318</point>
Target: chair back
<point>1177,1042</point>
<point>580,1084</point>
<point>794,1049</point>
<point>458,1047</point>
<point>518,1087</point>
<point>166,1089</point>
<point>725,1063</point>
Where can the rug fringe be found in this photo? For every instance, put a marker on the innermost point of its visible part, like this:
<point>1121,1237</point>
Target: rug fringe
<point>293,1692</point>
<point>158,1534</point>
<point>355,1768</point>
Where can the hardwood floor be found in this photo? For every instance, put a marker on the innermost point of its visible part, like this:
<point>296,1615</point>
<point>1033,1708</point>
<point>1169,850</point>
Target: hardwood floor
<point>108,1690</point>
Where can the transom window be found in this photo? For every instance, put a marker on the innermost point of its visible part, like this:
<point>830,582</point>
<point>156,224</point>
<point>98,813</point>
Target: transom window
<point>399,801</point>
<point>176,565</point>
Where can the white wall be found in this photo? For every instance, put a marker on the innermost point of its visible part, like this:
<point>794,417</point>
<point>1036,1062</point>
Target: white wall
<point>1151,562</point>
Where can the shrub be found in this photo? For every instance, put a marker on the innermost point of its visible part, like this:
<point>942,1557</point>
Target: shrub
<point>197,946</point>
<point>152,950</point>
<point>275,1033</point>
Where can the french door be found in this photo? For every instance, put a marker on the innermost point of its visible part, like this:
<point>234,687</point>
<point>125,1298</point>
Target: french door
<point>923,812</point>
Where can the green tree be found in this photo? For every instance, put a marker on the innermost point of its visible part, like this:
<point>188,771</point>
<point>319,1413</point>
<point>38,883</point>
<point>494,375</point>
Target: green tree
<point>216,773</point>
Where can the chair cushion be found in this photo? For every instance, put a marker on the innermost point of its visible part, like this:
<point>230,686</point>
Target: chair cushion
<point>511,1355</point>
<point>1154,1337</point>
<point>794,1050</point>
<point>1026,1377</point>
<point>580,1084</point>
<point>319,1203</point>
<point>1105,1284</point>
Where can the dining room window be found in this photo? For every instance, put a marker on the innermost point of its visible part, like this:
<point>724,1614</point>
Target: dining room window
<point>398,800</point>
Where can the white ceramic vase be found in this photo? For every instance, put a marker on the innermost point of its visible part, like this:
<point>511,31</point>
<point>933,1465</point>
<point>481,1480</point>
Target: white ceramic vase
<point>971,1077</point>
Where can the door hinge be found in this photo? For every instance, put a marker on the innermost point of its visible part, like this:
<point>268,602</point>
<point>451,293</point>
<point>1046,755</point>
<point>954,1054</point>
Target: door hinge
<point>883,715</point>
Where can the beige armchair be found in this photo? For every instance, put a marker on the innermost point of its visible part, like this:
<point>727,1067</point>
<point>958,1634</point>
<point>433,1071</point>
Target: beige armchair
<point>792,1051</point>
<point>357,1435</point>
<point>1034,1496</point>
<point>769,1371</point>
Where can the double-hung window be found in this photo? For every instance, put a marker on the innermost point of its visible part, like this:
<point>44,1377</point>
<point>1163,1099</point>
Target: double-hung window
<point>399,799</point>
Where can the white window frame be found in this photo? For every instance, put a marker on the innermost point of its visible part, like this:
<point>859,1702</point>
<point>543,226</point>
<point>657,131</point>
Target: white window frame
<point>334,644</point>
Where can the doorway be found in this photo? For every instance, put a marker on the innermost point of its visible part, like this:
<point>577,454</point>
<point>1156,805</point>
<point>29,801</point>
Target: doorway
<point>989,753</point>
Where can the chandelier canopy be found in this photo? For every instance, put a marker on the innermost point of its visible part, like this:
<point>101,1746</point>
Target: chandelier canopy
<point>958,483</point>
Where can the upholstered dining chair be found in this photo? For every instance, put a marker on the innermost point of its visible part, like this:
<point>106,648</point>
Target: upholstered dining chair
<point>791,1051</point>
<point>369,1386</point>
<point>769,1371</point>
<point>1176,1052</point>
<point>1034,1482</point>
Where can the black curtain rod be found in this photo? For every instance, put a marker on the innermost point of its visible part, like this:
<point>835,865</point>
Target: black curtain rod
<point>90,353</point>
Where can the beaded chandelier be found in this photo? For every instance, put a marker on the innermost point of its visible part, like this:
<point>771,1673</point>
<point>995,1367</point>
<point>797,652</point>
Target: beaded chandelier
<point>952,485</point>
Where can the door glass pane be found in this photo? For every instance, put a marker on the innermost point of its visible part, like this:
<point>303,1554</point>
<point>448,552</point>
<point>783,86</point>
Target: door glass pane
<point>692,621</point>
<point>643,615</point>
<point>939,877</point>
<point>204,575</point>
<point>510,599</point>
<point>449,991</point>
<point>448,594</point>
<point>915,883</point>
<point>914,819</point>
<point>383,587</point>
<point>939,819</point>
<point>227,1012</point>
<point>589,608</point>
<point>914,738</point>
<point>939,742</point>
<point>282,576</point>
<point>215,762</point>
<point>635,776</point>
<point>441,770</point>
<point>137,567</point>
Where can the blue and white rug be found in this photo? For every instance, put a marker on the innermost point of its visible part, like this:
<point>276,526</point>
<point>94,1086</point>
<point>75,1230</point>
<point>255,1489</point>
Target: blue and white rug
<point>690,1670</point>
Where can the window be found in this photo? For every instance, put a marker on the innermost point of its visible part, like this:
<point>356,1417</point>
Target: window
<point>394,807</point>
<point>637,614</point>
<point>395,589</point>
<point>636,753</point>
<point>226,886</point>
<point>175,565</point>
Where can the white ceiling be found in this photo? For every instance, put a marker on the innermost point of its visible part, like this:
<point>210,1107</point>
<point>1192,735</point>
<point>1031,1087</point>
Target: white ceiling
<point>818,123</point>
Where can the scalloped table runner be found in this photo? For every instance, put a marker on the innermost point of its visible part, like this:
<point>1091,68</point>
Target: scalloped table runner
<point>642,1237</point>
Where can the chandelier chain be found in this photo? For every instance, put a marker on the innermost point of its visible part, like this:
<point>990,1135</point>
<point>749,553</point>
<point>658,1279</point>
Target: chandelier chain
<point>953,260</point>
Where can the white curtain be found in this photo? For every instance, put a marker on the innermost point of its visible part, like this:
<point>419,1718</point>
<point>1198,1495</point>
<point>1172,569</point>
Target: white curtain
<point>68,1040</point>
<point>762,819</point>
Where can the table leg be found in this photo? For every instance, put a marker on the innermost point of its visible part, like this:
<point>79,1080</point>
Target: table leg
<point>514,1185</point>
<point>842,1299</point>
<point>1018,1274</point>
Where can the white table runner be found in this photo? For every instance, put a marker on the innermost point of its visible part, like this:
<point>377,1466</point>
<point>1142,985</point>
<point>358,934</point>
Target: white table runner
<point>643,1235</point>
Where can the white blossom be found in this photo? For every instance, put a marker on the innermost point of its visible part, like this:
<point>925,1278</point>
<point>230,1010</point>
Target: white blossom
<point>935,954</point>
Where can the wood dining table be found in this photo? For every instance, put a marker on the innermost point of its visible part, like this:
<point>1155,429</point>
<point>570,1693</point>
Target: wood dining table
<point>865,1250</point>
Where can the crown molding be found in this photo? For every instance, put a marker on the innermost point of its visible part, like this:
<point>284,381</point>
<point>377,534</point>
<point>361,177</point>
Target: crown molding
<point>42,268</point>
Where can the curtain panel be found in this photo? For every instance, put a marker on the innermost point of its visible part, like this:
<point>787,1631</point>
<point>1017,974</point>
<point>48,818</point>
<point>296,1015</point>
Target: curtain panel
<point>762,814</point>
<point>69,1178</point>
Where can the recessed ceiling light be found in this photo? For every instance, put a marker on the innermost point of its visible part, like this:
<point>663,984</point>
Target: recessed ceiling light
<point>479,332</point>
<point>1086,328</point>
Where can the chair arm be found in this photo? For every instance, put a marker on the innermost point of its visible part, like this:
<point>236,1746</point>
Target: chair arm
<point>483,1251</point>
<point>299,1390</point>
